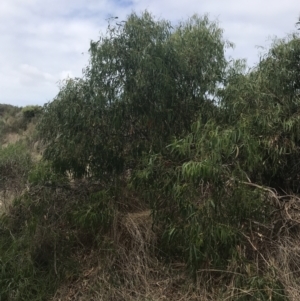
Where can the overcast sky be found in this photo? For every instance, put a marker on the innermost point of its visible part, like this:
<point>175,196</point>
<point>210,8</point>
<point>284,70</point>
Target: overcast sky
<point>44,41</point>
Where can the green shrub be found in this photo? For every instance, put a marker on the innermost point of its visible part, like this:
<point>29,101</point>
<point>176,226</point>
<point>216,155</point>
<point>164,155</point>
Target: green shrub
<point>30,112</point>
<point>95,214</point>
<point>14,119</point>
<point>43,174</point>
<point>15,163</point>
<point>3,129</point>
<point>11,120</point>
<point>8,110</point>
<point>20,279</point>
<point>36,244</point>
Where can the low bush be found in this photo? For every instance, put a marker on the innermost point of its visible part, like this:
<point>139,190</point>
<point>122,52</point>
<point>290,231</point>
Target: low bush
<point>30,112</point>
<point>15,163</point>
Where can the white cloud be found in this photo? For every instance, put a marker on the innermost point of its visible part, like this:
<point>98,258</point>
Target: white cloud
<point>30,75</point>
<point>42,41</point>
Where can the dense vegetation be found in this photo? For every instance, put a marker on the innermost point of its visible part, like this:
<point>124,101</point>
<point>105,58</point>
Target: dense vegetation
<point>163,154</point>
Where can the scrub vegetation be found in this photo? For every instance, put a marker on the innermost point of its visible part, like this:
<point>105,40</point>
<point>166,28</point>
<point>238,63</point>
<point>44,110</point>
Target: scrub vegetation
<point>167,172</point>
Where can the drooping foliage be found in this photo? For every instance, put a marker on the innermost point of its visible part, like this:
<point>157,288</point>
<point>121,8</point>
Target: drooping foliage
<point>210,143</point>
<point>208,189</point>
<point>146,81</point>
<point>265,103</point>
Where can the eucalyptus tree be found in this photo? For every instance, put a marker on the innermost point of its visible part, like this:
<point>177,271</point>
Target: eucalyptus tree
<point>207,190</point>
<point>264,103</point>
<point>146,82</point>
<point>147,99</point>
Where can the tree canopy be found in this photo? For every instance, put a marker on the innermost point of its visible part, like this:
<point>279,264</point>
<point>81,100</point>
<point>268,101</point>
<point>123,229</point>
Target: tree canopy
<point>146,82</point>
<point>204,136</point>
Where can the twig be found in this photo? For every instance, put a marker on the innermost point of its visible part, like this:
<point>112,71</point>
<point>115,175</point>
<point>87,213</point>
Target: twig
<point>255,248</point>
<point>55,270</point>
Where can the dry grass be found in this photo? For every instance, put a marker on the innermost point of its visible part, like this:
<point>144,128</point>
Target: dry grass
<point>35,151</point>
<point>13,189</point>
<point>6,199</point>
<point>11,138</point>
<point>131,272</point>
<point>128,269</point>
<point>286,261</point>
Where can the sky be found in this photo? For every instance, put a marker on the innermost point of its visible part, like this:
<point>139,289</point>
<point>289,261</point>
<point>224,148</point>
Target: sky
<point>45,41</point>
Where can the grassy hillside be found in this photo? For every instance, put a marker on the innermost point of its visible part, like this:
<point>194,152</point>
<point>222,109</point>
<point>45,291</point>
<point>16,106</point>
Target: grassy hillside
<point>19,148</point>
